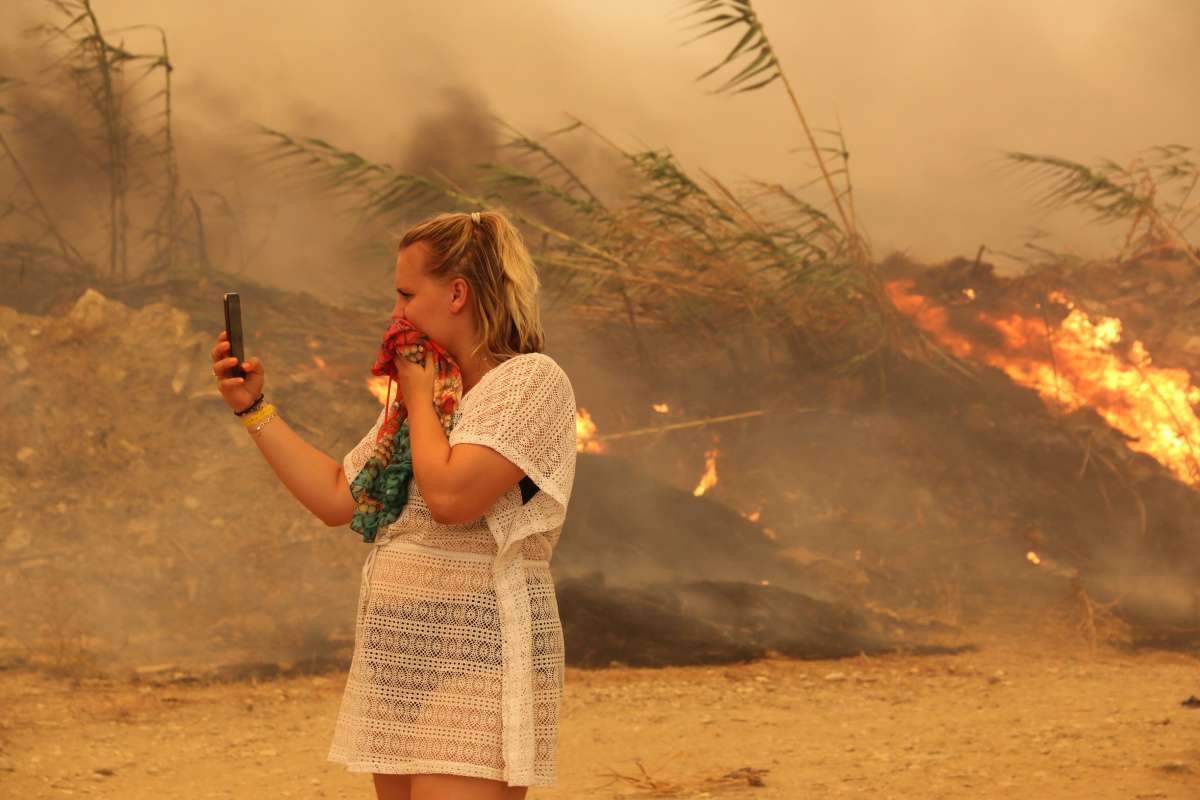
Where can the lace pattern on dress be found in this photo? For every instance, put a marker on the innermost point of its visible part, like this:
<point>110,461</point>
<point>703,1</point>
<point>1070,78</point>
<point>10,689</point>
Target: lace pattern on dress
<point>458,659</point>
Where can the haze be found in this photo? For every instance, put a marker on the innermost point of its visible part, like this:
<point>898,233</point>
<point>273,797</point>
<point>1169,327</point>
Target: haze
<point>926,93</point>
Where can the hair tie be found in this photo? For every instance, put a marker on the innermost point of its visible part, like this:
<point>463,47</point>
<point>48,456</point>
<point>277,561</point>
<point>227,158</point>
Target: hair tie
<point>475,217</point>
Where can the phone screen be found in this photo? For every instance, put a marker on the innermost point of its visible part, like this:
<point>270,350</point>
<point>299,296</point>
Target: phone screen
<point>233,326</point>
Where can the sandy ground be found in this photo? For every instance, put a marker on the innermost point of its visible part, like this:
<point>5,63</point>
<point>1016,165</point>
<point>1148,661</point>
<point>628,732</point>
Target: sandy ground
<point>1013,719</point>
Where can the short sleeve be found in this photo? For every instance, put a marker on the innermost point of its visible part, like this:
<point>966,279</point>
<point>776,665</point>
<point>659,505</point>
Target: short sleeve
<point>526,412</point>
<point>356,459</point>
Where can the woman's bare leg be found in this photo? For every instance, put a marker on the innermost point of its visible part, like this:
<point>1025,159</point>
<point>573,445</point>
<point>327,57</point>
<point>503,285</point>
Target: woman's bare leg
<point>460,787</point>
<point>392,787</point>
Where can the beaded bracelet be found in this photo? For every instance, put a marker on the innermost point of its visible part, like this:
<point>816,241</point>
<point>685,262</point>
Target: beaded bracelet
<point>259,415</point>
<point>252,407</point>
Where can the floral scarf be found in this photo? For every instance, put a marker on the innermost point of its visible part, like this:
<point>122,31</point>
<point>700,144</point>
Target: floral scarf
<point>381,488</point>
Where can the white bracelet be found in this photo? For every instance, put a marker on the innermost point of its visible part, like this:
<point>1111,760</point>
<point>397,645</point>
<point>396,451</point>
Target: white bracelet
<point>262,424</point>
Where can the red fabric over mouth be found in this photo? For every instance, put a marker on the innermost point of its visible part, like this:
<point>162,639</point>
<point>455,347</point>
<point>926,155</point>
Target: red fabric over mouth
<point>403,334</point>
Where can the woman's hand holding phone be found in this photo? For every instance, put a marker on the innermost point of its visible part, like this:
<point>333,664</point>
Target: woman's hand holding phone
<point>239,393</point>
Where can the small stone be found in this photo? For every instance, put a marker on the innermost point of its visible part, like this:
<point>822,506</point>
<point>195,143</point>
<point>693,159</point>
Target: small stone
<point>17,356</point>
<point>105,771</point>
<point>835,677</point>
<point>18,539</point>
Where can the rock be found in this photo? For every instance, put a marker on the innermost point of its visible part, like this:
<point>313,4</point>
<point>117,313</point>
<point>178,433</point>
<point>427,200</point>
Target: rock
<point>180,378</point>
<point>835,677</point>
<point>154,670</point>
<point>18,539</point>
<point>17,359</point>
<point>91,314</point>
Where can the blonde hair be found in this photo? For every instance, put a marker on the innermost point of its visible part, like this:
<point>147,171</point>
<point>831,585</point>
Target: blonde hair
<point>486,250</point>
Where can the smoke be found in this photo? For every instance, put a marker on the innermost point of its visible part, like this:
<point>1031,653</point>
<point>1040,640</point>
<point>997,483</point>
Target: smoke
<point>924,114</point>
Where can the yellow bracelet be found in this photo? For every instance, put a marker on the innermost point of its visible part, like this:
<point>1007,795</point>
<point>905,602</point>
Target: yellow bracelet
<point>253,419</point>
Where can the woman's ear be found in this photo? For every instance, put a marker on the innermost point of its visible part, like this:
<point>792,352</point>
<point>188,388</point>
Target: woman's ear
<point>459,290</point>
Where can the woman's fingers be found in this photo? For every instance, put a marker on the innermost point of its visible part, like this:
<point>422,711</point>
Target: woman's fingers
<point>221,365</point>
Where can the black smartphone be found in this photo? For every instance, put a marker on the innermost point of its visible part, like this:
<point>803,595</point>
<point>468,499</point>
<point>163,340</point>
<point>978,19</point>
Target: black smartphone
<point>233,326</point>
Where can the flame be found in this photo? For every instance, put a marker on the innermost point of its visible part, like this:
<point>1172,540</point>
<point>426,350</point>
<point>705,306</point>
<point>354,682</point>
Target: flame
<point>661,408</point>
<point>709,479</point>
<point>585,431</point>
<point>1033,557</point>
<point>378,386</point>
<point>969,292</point>
<point>313,343</point>
<point>754,516</point>
<point>1153,405</point>
<point>320,362</point>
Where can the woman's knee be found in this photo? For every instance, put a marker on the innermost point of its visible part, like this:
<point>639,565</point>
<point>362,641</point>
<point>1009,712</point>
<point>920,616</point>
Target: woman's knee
<point>392,787</point>
<point>461,787</point>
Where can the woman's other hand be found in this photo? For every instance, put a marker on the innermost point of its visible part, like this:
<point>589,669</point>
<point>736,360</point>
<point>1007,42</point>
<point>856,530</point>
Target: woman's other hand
<point>239,393</point>
<point>414,377</point>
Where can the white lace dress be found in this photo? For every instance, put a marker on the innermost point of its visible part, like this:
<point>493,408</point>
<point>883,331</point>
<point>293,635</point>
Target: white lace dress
<point>458,653</point>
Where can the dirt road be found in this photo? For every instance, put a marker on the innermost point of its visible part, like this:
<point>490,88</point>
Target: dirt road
<point>1013,719</point>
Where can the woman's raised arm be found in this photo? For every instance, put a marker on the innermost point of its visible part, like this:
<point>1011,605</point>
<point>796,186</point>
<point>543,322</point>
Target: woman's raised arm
<point>313,478</point>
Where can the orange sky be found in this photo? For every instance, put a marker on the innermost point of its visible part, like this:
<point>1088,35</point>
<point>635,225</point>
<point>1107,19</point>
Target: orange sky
<point>927,92</point>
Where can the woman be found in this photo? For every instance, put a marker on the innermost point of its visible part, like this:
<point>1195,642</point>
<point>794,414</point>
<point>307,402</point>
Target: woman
<point>455,683</point>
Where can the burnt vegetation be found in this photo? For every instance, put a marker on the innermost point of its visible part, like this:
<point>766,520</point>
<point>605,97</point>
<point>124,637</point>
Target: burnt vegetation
<point>882,485</point>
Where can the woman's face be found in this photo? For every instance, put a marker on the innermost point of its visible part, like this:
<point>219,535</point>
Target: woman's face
<point>435,308</point>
